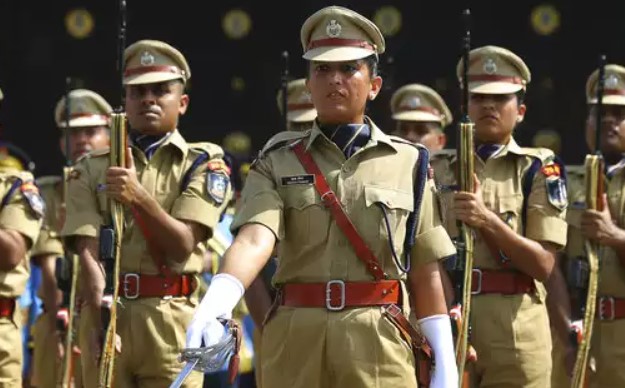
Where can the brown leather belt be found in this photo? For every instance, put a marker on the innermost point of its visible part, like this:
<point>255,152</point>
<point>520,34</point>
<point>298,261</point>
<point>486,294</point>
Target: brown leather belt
<point>7,307</point>
<point>134,285</point>
<point>493,281</point>
<point>610,308</point>
<point>337,295</point>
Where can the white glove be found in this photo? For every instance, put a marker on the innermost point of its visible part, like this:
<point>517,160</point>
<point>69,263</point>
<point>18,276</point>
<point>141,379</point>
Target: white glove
<point>222,296</point>
<point>437,330</point>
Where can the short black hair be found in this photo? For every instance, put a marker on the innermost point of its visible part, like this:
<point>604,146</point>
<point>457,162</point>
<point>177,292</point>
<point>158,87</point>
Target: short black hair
<point>520,96</point>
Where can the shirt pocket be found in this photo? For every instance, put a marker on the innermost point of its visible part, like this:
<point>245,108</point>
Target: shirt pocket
<point>306,218</point>
<point>508,208</point>
<point>390,208</point>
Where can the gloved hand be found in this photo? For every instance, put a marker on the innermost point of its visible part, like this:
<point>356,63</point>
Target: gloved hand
<point>437,330</point>
<point>222,296</point>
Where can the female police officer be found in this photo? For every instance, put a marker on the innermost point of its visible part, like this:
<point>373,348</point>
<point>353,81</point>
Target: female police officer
<point>329,329</point>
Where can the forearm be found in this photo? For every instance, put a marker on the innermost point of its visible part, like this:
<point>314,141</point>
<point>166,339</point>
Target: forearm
<point>427,290</point>
<point>92,275</point>
<point>49,287</point>
<point>526,255</point>
<point>258,300</point>
<point>617,243</point>
<point>246,257</point>
<point>12,249</point>
<point>559,304</point>
<point>172,236</point>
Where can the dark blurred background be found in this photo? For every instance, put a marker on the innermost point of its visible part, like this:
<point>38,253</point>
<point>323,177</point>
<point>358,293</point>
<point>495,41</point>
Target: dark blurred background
<point>234,50</point>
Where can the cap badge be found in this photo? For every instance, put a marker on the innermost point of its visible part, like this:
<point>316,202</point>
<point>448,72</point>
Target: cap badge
<point>490,67</point>
<point>611,81</point>
<point>414,102</point>
<point>333,29</point>
<point>147,59</point>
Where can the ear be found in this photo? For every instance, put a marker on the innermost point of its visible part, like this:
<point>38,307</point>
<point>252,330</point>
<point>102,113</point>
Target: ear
<point>521,113</point>
<point>376,86</point>
<point>184,104</point>
<point>442,140</point>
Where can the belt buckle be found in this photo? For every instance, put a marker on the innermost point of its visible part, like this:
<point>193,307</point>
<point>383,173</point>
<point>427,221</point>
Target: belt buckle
<point>329,304</point>
<point>127,278</point>
<point>602,316</point>
<point>480,274</point>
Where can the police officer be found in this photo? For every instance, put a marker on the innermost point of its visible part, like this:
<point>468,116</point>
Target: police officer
<point>421,115</point>
<point>605,227</point>
<point>174,193</point>
<point>21,212</point>
<point>517,214</point>
<point>330,328</point>
<point>88,131</point>
<point>300,111</point>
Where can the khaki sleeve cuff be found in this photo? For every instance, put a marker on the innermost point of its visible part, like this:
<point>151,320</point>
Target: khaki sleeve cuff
<point>82,224</point>
<point>432,245</point>
<point>47,244</point>
<point>17,218</point>
<point>196,209</point>
<point>546,228</point>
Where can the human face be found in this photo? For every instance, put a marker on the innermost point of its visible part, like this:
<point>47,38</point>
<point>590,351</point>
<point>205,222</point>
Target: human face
<point>427,133</point>
<point>153,109</point>
<point>495,116</point>
<point>612,129</point>
<point>340,90</point>
<point>83,140</point>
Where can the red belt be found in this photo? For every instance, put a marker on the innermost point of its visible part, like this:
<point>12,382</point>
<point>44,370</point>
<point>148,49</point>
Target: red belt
<point>134,285</point>
<point>610,308</point>
<point>336,295</point>
<point>492,281</point>
<point>7,307</point>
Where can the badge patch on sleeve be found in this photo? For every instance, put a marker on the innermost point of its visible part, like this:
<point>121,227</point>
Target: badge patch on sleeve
<point>217,185</point>
<point>31,194</point>
<point>551,170</point>
<point>306,179</point>
<point>556,191</point>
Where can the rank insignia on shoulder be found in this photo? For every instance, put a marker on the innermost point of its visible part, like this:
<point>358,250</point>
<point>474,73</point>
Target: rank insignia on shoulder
<point>31,194</point>
<point>551,170</point>
<point>217,185</point>
<point>556,192</point>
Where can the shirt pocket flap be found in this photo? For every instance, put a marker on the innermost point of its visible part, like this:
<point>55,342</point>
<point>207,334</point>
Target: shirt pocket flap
<point>392,199</point>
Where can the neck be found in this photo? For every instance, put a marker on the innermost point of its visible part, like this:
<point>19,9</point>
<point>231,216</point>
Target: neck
<point>612,158</point>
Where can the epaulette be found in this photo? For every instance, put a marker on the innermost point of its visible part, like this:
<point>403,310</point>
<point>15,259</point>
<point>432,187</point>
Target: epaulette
<point>545,155</point>
<point>401,140</point>
<point>48,180</point>
<point>212,149</point>
<point>94,154</point>
<point>280,140</point>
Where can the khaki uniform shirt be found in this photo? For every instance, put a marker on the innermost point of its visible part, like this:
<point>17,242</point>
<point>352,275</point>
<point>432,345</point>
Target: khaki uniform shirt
<point>22,213</point>
<point>280,195</point>
<point>501,181</point>
<point>161,176</point>
<point>611,271</point>
<point>49,241</point>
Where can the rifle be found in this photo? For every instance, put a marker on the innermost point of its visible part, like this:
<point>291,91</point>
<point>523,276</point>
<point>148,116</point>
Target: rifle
<point>112,233</point>
<point>70,258</point>
<point>464,242</point>
<point>595,179</point>
<point>285,89</point>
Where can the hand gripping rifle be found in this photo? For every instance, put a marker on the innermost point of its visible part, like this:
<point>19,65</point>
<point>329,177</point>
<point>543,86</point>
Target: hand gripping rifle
<point>111,234</point>
<point>70,262</point>
<point>595,179</point>
<point>464,244</point>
